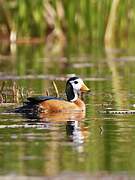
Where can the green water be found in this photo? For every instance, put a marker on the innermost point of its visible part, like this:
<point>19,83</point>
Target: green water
<point>99,143</point>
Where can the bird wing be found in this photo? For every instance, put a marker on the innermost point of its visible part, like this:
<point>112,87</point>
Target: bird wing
<point>39,99</point>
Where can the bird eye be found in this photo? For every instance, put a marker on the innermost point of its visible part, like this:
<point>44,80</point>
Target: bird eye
<point>76,82</point>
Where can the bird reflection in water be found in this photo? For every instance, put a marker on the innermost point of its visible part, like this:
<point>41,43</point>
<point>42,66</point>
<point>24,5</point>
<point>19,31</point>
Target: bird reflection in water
<point>75,135</point>
<point>75,130</point>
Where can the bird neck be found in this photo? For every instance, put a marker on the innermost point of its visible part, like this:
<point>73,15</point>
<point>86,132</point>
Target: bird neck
<point>80,104</point>
<point>74,96</point>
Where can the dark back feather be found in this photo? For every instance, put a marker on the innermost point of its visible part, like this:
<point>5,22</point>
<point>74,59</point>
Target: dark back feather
<point>39,99</point>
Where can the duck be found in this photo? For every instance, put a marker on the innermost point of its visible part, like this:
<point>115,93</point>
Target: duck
<point>73,103</point>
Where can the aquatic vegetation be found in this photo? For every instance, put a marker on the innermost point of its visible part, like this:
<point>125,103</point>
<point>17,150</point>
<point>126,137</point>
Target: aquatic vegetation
<point>10,92</point>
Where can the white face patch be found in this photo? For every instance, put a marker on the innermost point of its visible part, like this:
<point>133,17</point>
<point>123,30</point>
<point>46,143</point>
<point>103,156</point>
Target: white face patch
<point>77,84</point>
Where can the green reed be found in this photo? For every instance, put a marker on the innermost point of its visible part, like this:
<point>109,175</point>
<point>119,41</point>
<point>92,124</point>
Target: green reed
<point>78,20</point>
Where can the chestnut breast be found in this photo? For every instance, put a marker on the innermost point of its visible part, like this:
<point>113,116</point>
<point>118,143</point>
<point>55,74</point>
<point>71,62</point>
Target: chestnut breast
<point>59,106</point>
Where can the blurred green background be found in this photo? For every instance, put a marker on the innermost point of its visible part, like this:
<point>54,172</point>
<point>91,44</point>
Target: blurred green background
<point>66,21</point>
